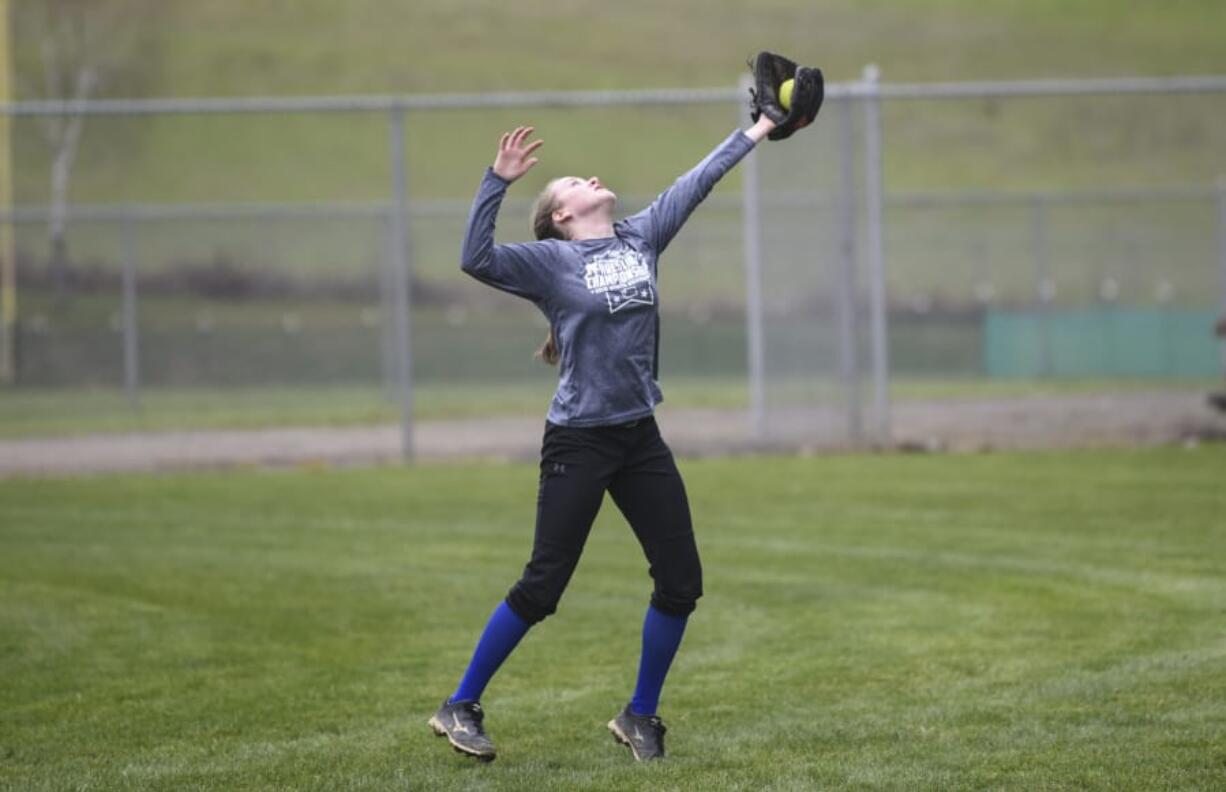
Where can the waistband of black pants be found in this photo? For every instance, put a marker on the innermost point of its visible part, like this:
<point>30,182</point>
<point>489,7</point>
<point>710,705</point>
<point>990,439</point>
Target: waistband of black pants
<point>637,422</point>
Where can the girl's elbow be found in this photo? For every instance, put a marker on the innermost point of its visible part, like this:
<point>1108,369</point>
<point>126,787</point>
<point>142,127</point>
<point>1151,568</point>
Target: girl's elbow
<point>472,260</point>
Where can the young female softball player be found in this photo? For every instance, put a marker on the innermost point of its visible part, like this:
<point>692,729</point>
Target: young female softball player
<point>595,280</point>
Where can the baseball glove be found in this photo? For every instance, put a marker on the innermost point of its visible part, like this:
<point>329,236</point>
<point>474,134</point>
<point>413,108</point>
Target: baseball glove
<point>808,88</point>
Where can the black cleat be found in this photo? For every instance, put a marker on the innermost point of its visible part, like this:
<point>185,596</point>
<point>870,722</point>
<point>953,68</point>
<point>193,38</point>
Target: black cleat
<point>643,733</point>
<point>460,723</point>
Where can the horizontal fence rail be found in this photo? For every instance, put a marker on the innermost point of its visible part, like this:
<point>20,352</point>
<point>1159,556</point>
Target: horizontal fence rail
<point>667,96</point>
<point>450,207</point>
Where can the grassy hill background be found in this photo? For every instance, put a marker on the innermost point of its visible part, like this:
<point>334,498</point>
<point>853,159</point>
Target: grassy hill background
<point>314,47</point>
<point>380,46</point>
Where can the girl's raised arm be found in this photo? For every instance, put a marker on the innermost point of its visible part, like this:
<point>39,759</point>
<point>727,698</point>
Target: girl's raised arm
<point>661,221</point>
<point>521,269</point>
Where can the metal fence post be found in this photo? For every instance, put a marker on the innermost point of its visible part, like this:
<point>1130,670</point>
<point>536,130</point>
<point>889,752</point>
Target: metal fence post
<point>131,348</point>
<point>8,263</point>
<point>400,280</point>
<point>849,364</point>
<point>389,370</point>
<point>752,233</point>
<point>1044,289</point>
<point>1221,256</point>
<point>874,206</point>
<point>8,287</point>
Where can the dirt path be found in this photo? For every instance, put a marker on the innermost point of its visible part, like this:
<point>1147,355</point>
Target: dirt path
<point>960,425</point>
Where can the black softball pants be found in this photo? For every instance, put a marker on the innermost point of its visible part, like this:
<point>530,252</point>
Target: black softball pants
<point>631,462</point>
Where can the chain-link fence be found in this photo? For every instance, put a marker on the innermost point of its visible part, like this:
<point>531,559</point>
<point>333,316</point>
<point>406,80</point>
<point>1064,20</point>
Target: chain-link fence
<point>1030,233</point>
<point>802,295</point>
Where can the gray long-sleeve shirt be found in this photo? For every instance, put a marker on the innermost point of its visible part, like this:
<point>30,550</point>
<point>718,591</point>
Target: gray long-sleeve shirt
<point>599,295</point>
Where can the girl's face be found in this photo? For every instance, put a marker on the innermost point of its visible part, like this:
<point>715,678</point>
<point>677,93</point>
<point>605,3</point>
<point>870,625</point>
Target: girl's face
<point>578,197</point>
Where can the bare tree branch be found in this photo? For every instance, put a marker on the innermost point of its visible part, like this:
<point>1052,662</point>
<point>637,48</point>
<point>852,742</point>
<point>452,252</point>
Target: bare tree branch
<point>81,43</point>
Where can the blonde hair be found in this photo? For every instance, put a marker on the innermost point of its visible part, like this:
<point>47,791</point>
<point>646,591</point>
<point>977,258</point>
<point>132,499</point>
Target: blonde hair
<point>543,208</point>
<point>543,227</point>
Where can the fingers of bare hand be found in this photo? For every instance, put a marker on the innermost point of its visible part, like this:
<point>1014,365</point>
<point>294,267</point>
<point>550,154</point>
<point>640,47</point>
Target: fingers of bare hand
<point>522,133</point>
<point>502,144</point>
<point>533,146</point>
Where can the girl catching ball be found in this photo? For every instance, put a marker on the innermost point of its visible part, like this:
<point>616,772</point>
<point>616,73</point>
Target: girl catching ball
<point>595,281</point>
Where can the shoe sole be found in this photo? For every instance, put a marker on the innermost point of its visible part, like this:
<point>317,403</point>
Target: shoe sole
<point>620,737</point>
<point>441,731</point>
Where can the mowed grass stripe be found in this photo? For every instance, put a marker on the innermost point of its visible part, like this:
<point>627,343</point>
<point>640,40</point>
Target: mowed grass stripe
<point>1030,620</point>
<point>59,412</point>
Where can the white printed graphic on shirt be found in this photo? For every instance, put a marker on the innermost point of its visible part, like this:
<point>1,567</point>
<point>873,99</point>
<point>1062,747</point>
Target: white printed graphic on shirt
<point>622,276</point>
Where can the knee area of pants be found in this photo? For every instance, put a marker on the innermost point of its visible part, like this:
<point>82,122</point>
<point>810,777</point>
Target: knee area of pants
<point>675,606</point>
<point>529,609</point>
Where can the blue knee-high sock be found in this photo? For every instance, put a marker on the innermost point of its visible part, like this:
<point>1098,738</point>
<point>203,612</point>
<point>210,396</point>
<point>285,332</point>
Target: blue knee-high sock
<point>661,637</point>
<point>502,633</point>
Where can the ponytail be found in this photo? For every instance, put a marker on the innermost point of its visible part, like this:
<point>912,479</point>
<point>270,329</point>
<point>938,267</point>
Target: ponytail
<point>549,351</point>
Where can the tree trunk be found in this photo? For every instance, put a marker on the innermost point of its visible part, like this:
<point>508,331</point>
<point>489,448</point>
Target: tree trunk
<point>57,221</point>
<point>61,176</point>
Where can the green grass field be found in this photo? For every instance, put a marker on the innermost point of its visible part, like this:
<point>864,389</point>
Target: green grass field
<point>1006,621</point>
<point>315,47</point>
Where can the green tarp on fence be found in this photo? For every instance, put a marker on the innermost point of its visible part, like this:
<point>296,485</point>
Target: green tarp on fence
<point>1110,342</point>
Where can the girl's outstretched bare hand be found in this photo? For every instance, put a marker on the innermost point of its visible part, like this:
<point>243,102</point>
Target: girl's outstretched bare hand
<point>514,157</point>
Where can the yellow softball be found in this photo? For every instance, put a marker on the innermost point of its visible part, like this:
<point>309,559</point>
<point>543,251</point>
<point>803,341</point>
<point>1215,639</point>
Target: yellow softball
<point>785,94</point>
